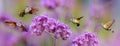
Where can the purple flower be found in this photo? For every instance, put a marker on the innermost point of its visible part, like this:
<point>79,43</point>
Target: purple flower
<point>49,4</point>
<point>52,4</point>
<point>87,39</point>
<point>50,25</point>
<point>64,31</point>
<point>8,38</point>
<point>58,29</point>
<point>37,24</point>
<point>4,16</point>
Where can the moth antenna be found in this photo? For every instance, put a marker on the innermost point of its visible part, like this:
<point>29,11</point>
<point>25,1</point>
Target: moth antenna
<point>80,18</point>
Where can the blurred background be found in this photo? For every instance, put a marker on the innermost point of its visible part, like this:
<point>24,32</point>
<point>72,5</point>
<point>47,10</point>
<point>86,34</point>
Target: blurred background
<point>95,12</point>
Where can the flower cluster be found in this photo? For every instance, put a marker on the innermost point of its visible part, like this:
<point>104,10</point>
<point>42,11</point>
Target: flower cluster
<point>44,23</point>
<point>87,39</point>
<point>37,24</point>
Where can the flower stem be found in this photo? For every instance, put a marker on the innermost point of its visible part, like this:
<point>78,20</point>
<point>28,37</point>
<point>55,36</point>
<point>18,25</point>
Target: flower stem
<point>55,41</point>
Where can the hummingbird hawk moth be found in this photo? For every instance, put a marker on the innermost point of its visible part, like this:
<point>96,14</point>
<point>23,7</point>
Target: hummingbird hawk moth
<point>108,25</point>
<point>16,25</point>
<point>28,10</point>
<point>77,20</point>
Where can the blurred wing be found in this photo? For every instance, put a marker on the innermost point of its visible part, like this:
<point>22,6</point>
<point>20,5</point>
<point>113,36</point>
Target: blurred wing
<point>34,10</point>
<point>79,18</point>
<point>11,23</point>
<point>108,24</point>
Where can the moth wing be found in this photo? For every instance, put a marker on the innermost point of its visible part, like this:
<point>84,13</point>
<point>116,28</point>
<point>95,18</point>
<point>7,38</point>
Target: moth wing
<point>79,18</point>
<point>108,24</point>
<point>11,23</point>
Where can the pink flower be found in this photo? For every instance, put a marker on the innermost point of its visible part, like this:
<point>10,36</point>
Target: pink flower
<point>88,39</point>
<point>53,4</point>
<point>50,25</point>
<point>49,4</point>
<point>37,24</point>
